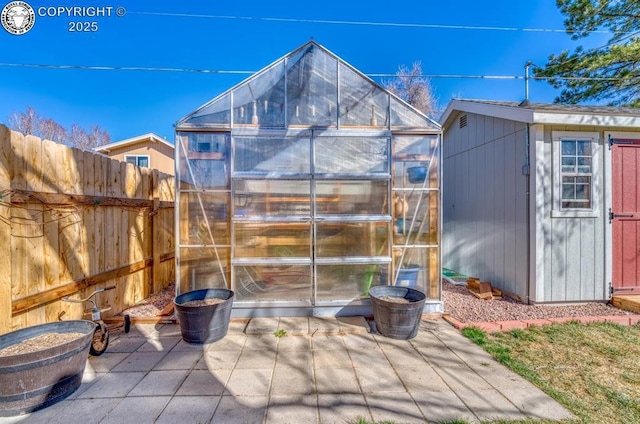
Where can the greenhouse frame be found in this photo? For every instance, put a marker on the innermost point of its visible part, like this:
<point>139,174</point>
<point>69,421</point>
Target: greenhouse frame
<point>305,185</point>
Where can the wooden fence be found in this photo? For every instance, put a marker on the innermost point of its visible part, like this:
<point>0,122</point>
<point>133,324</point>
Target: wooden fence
<point>73,221</point>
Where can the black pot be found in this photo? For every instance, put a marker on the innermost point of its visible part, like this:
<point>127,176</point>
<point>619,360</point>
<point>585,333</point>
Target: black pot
<point>397,320</point>
<point>34,380</point>
<point>208,323</point>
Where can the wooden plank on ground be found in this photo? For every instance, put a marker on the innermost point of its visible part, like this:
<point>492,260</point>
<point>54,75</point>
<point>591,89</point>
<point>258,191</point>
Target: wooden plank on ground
<point>167,310</point>
<point>627,302</point>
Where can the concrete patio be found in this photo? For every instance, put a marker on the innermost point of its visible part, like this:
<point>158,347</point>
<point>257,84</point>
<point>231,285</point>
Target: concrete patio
<point>323,370</point>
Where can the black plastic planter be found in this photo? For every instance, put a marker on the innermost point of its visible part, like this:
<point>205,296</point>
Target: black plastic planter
<point>206,323</point>
<point>397,320</point>
<point>34,380</point>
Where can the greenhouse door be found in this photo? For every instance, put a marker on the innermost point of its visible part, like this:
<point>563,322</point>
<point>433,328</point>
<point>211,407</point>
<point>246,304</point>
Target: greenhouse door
<point>311,220</point>
<point>351,219</point>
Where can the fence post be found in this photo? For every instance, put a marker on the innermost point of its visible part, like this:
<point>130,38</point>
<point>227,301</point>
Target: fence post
<point>5,231</point>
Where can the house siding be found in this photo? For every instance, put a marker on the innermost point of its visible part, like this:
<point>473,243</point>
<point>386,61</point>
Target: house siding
<point>161,156</point>
<point>484,201</point>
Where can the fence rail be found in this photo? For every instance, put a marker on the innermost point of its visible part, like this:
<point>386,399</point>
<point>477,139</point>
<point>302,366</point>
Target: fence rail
<point>72,221</point>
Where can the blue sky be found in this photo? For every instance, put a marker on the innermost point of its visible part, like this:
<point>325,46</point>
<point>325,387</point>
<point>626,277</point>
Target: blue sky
<point>152,34</point>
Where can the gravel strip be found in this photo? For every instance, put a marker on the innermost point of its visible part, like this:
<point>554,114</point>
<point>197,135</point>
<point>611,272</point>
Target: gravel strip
<point>465,307</point>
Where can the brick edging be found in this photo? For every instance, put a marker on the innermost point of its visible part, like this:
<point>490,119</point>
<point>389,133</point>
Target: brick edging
<point>494,326</point>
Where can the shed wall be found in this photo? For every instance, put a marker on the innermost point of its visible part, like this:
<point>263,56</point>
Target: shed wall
<point>573,249</point>
<point>484,201</point>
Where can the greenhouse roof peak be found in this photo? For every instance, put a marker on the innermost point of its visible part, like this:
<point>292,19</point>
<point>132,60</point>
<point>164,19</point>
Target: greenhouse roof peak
<point>310,87</point>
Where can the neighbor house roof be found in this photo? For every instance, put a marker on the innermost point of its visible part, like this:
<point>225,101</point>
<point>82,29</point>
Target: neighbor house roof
<point>545,113</point>
<point>133,140</point>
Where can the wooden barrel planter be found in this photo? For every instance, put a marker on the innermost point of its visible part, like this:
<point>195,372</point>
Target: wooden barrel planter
<point>397,310</point>
<point>36,378</point>
<point>201,321</point>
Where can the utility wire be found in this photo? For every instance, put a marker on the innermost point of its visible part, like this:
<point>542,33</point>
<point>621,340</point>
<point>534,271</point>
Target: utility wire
<point>361,23</point>
<point>239,72</point>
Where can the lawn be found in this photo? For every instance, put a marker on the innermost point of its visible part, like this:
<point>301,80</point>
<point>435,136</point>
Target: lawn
<point>592,369</point>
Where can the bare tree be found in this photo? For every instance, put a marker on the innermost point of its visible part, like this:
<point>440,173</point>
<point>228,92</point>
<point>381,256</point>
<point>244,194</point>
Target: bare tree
<point>413,88</point>
<point>27,122</point>
<point>31,122</point>
<point>51,130</point>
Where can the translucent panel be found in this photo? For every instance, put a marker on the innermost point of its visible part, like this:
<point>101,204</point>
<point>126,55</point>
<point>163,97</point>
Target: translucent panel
<point>568,191</point>
<point>404,116</point>
<point>271,198</point>
<point>347,282</point>
<point>352,239</point>
<point>199,268</point>
<point>260,100</point>
<point>273,240</point>
<point>216,112</point>
<point>412,161</point>
<point>362,103</point>
<point>425,261</point>
<point>411,227</point>
<point>351,155</point>
<point>568,164</point>
<point>203,216</point>
<point>312,92</point>
<point>283,283</point>
<point>266,155</point>
<point>204,161</point>
<point>352,197</point>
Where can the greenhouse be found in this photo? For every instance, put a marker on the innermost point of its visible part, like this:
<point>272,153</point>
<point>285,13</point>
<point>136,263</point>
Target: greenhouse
<point>305,185</point>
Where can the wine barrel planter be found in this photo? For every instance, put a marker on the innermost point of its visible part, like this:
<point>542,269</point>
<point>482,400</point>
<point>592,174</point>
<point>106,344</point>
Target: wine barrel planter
<point>394,319</point>
<point>36,379</point>
<point>204,323</point>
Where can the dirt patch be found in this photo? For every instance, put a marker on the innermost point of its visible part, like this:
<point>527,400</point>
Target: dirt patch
<point>394,299</point>
<point>462,305</point>
<point>203,302</point>
<point>151,306</point>
<point>41,342</point>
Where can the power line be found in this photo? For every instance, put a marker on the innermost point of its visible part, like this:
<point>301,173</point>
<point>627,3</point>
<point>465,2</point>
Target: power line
<point>360,23</point>
<point>240,72</point>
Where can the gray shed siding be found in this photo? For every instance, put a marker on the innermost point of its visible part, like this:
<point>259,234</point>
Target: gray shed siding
<point>573,247</point>
<point>484,201</point>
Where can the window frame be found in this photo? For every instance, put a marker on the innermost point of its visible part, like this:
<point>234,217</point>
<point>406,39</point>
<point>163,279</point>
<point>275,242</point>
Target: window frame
<point>596,152</point>
<point>137,158</point>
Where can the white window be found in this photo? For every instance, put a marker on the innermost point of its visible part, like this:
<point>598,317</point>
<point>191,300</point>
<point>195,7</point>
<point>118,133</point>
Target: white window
<point>138,160</point>
<point>577,158</point>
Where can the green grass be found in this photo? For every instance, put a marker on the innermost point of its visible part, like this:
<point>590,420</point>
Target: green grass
<point>592,369</point>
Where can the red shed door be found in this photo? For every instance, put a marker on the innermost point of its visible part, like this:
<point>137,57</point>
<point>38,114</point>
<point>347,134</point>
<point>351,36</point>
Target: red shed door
<point>624,216</point>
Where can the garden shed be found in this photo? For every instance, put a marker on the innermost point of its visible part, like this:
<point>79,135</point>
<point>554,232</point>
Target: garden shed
<point>303,186</point>
<point>543,200</point>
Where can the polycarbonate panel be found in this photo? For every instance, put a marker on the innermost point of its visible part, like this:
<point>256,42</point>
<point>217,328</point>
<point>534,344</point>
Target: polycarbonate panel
<point>351,155</point>
<point>347,282</point>
<point>337,239</point>
<point>272,155</point>
<point>199,268</point>
<point>362,103</point>
<point>352,197</point>
<point>421,227</point>
<point>253,198</point>
<point>272,240</point>
<point>273,282</point>
<point>312,94</point>
<point>204,218</point>
<point>217,112</point>
<point>426,261</point>
<point>204,161</point>
<point>412,161</point>
<point>403,116</point>
<point>260,100</point>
